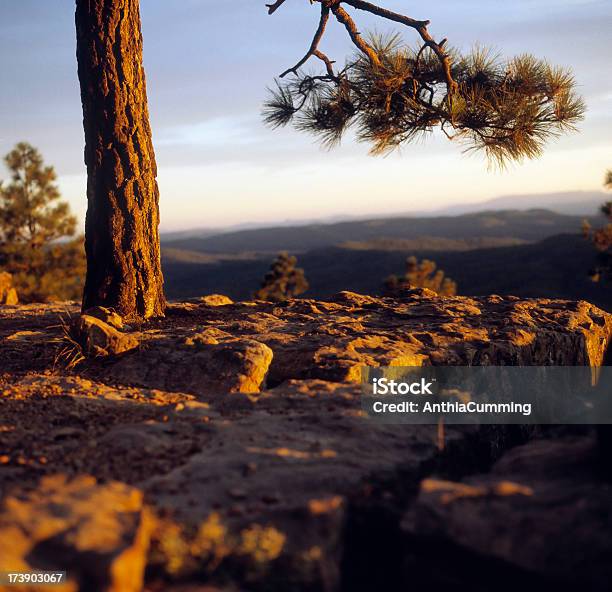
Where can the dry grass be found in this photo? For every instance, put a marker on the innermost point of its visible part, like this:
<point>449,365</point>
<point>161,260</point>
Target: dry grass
<point>71,354</point>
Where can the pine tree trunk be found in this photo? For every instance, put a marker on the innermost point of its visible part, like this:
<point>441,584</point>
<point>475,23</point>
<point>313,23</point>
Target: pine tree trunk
<point>121,227</point>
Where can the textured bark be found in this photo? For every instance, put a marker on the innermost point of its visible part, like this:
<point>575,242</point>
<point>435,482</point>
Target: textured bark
<point>121,228</point>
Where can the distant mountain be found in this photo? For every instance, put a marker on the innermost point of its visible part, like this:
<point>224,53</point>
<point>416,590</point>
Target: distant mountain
<point>205,232</point>
<point>510,225</point>
<point>175,235</point>
<point>187,234</point>
<point>574,203</point>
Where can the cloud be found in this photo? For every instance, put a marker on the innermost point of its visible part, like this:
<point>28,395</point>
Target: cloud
<point>213,133</point>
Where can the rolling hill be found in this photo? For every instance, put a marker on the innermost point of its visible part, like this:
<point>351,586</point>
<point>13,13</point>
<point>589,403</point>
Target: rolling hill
<point>535,253</point>
<point>529,225</point>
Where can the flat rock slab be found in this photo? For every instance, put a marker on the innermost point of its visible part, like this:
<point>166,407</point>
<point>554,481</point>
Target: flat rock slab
<point>200,348</point>
<point>333,340</point>
<point>257,487</point>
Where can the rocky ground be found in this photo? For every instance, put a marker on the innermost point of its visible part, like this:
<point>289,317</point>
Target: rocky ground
<point>224,448</point>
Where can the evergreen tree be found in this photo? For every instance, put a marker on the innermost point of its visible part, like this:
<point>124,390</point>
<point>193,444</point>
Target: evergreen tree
<point>283,281</point>
<point>34,226</point>
<point>602,239</point>
<point>420,275</point>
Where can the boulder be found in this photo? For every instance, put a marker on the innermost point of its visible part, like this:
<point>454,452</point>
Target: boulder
<point>107,315</point>
<point>99,339</point>
<point>216,300</point>
<point>539,519</point>
<point>200,364</point>
<point>98,534</point>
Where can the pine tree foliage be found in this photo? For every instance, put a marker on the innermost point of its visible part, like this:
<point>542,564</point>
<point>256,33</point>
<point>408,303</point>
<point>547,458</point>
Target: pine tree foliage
<point>390,94</point>
<point>36,231</point>
<point>423,274</point>
<point>283,281</point>
<point>602,239</point>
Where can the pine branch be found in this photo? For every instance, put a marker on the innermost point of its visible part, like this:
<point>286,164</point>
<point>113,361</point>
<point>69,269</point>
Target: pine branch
<point>314,46</point>
<point>420,26</point>
<point>272,8</point>
<point>393,94</point>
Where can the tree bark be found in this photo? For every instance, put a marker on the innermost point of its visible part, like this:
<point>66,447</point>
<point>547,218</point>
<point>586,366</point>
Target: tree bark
<point>121,226</point>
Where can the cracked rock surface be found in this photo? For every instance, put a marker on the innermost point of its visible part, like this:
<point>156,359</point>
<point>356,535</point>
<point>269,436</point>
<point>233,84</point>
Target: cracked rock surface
<point>228,451</point>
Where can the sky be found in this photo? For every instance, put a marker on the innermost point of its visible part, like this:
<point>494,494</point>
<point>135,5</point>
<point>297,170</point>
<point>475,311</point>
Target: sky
<point>208,65</point>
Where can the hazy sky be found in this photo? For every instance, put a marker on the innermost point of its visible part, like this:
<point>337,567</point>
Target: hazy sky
<point>208,64</point>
